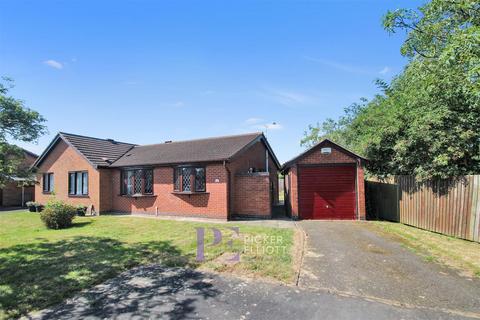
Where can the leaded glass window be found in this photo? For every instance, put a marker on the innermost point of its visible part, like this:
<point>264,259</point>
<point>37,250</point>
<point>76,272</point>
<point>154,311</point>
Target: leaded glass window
<point>177,182</point>
<point>148,187</point>
<point>137,181</point>
<point>199,179</point>
<point>137,185</point>
<point>189,179</point>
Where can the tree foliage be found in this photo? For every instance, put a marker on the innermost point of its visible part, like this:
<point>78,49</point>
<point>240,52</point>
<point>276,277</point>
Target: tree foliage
<point>426,121</point>
<point>17,123</point>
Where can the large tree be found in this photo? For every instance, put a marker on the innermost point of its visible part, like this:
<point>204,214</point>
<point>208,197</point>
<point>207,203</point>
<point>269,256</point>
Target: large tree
<point>17,123</point>
<point>426,121</point>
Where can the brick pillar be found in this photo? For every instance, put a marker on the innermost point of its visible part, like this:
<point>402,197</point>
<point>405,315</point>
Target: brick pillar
<point>361,191</point>
<point>294,191</point>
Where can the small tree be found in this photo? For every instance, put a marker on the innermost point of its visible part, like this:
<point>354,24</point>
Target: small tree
<point>19,123</point>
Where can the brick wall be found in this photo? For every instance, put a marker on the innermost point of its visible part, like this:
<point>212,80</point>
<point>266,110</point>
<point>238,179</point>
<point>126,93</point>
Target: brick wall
<point>211,204</point>
<point>60,161</point>
<point>254,157</point>
<point>252,195</point>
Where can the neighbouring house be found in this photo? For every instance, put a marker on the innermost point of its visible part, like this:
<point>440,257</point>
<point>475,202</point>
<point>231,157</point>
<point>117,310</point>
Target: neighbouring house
<point>325,182</point>
<point>18,191</point>
<point>220,177</point>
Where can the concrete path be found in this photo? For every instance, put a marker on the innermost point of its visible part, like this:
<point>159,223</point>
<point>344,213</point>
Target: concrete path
<point>272,223</point>
<point>350,258</point>
<point>157,293</point>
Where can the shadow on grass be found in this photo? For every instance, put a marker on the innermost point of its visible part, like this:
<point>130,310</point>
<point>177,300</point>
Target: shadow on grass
<point>77,224</point>
<point>34,276</point>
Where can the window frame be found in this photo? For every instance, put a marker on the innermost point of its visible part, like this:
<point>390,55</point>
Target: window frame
<point>48,184</point>
<point>78,175</point>
<point>123,184</point>
<point>178,179</point>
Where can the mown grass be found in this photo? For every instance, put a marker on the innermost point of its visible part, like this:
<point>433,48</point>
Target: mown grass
<point>462,255</point>
<point>41,267</point>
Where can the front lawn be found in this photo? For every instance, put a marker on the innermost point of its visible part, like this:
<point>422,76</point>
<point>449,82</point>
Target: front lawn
<point>462,255</point>
<point>41,267</point>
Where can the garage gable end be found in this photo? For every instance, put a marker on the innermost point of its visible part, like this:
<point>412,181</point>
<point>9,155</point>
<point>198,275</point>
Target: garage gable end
<point>324,152</point>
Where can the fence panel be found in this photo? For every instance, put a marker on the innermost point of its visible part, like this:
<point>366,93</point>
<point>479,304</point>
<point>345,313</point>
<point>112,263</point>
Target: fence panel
<point>451,207</point>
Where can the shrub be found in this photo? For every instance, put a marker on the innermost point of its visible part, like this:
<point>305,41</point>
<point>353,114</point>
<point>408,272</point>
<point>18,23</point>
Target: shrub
<point>58,215</point>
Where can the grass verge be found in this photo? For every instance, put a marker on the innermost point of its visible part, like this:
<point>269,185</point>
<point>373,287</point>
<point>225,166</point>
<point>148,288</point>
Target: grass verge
<point>459,254</point>
<point>41,267</point>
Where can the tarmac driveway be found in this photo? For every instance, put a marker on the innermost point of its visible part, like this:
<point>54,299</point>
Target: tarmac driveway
<point>351,258</point>
<point>154,292</point>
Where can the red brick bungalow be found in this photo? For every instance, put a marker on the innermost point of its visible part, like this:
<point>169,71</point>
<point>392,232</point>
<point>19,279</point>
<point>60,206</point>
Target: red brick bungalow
<point>217,177</point>
<point>325,182</point>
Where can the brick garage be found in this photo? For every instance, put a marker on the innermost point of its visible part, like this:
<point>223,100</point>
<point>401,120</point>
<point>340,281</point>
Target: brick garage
<point>325,182</point>
<point>201,178</point>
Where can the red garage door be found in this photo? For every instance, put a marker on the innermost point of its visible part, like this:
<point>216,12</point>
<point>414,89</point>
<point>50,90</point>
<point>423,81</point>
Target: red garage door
<point>327,192</point>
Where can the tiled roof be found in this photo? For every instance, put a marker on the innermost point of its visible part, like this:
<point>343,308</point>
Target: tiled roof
<point>110,153</point>
<point>191,151</point>
<point>99,152</point>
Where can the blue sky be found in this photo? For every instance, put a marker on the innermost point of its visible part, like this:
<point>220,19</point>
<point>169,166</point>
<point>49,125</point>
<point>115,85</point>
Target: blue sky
<point>150,71</point>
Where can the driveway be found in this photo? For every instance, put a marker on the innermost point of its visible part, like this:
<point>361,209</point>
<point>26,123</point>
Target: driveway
<point>350,258</point>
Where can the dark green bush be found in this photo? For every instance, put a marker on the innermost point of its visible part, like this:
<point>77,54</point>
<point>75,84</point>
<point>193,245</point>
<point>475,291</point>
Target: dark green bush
<point>58,215</point>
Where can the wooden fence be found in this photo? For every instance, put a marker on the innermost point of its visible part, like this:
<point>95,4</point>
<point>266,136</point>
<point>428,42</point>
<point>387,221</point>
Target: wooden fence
<point>449,207</point>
